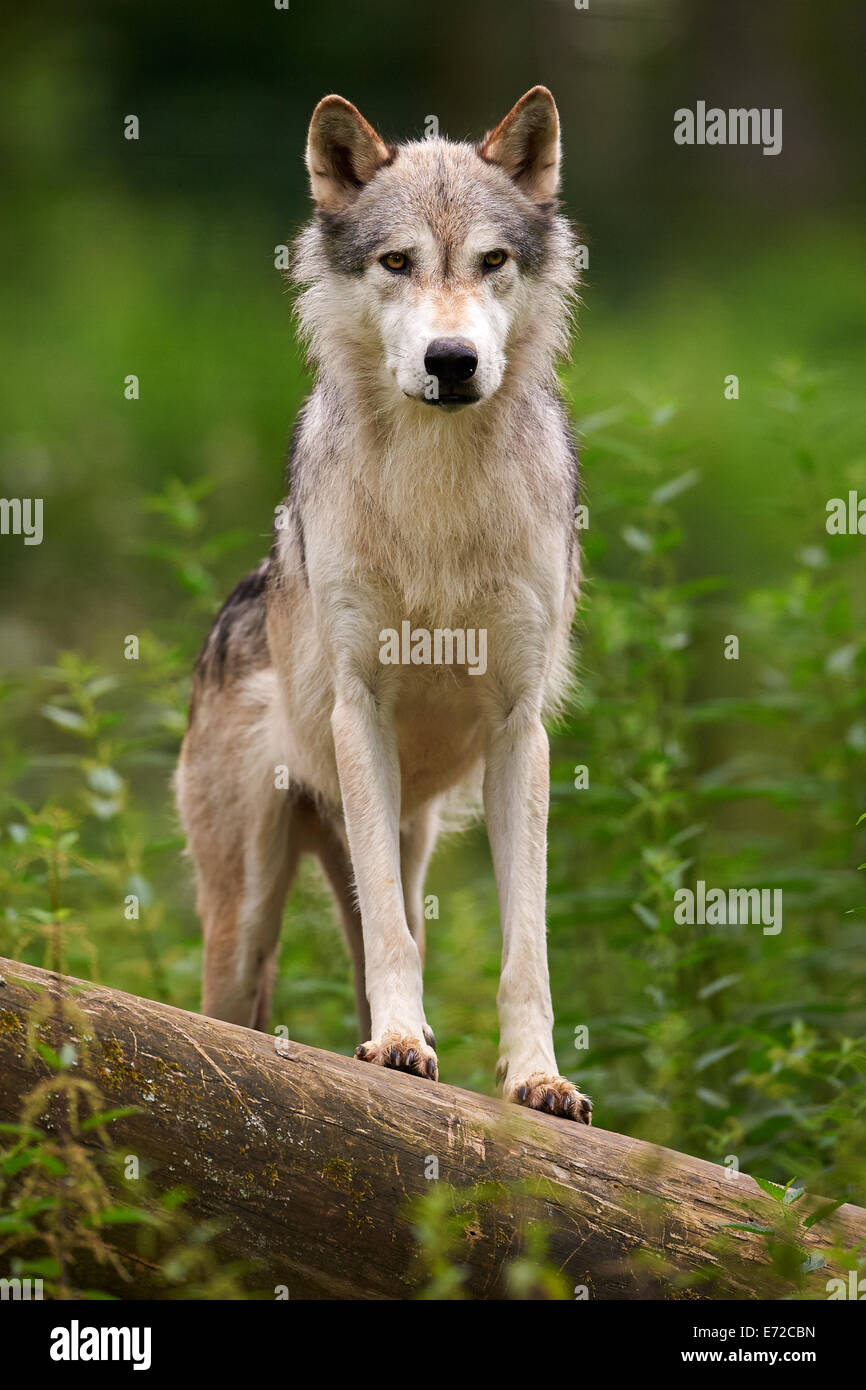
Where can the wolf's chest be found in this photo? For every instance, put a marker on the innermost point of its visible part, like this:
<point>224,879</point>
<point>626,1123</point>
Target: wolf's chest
<point>445,551</point>
<point>439,727</point>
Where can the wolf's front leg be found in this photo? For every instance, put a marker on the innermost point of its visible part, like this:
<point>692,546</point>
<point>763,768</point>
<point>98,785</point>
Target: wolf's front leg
<point>369,770</point>
<point>516,790</point>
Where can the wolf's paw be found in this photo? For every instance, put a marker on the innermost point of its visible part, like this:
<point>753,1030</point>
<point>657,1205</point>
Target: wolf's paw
<point>554,1095</point>
<point>401,1054</point>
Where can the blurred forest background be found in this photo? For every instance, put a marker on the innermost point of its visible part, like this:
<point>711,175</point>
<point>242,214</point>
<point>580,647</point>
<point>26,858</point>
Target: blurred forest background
<point>707,518</point>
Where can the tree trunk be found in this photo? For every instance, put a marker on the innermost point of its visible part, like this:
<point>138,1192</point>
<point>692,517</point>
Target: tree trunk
<point>310,1162</point>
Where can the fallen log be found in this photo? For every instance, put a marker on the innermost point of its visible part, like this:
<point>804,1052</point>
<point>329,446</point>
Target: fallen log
<point>310,1162</point>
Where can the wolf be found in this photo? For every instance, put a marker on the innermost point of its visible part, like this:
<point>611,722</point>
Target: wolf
<point>432,482</point>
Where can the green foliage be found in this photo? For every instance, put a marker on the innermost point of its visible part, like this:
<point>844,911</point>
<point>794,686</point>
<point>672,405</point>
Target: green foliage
<point>719,1040</point>
<point>61,1197</point>
<point>447,1220</point>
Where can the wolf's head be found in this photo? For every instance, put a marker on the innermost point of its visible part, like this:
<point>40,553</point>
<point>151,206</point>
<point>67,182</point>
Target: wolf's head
<point>433,265</point>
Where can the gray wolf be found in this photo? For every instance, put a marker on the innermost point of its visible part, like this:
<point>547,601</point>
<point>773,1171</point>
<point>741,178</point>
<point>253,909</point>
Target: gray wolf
<point>432,483</point>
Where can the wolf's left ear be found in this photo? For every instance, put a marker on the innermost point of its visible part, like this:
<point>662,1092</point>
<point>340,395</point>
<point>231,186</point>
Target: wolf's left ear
<point>343,153</point>
<point>526,145</point>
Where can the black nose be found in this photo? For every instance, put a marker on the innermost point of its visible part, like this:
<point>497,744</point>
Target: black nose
<point>451,359</point>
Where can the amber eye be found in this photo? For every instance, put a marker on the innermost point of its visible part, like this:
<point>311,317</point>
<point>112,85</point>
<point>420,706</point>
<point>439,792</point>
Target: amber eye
<point>494,259</point>
<point>396,261</point>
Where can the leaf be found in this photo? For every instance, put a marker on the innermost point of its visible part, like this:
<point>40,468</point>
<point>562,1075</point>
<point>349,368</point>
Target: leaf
<point>722,983</point>
<point>772,1189</point>
<point>668,491</point>
<point>65,718</point>
<point>105,780</point>
<point>716,1055</point>
<point>34,1205</point>
<point>663,413</point>
<point>812,1262</point>
<point>47,1053</point>
<point>106,1117</point>
<point>743,1226</point>
<point>638,540</point>
<point>16,1161</point>
<point>601,419</point>
<point>50,1163</point>
<point>122,1216</point>
<point>840,661</point>
<point>712,1098</point>
<point>47,1268</point>
<point>141,888</point>
<point>101,685</point>
<point>821,1213</point>
<point>175,1197</point>
<point>13,1222</point>
<point>856,737</point>
<point>26,1131</point>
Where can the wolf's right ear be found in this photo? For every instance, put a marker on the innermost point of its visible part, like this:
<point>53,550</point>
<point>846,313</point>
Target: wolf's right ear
<point>343,153</point>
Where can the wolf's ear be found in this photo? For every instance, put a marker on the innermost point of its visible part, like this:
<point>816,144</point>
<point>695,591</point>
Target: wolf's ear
<point>343,153</point>
<point>526,145</point>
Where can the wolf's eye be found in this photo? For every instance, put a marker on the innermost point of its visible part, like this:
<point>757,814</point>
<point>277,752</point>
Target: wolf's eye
<point>494,259</point>
<point>396,261</point>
